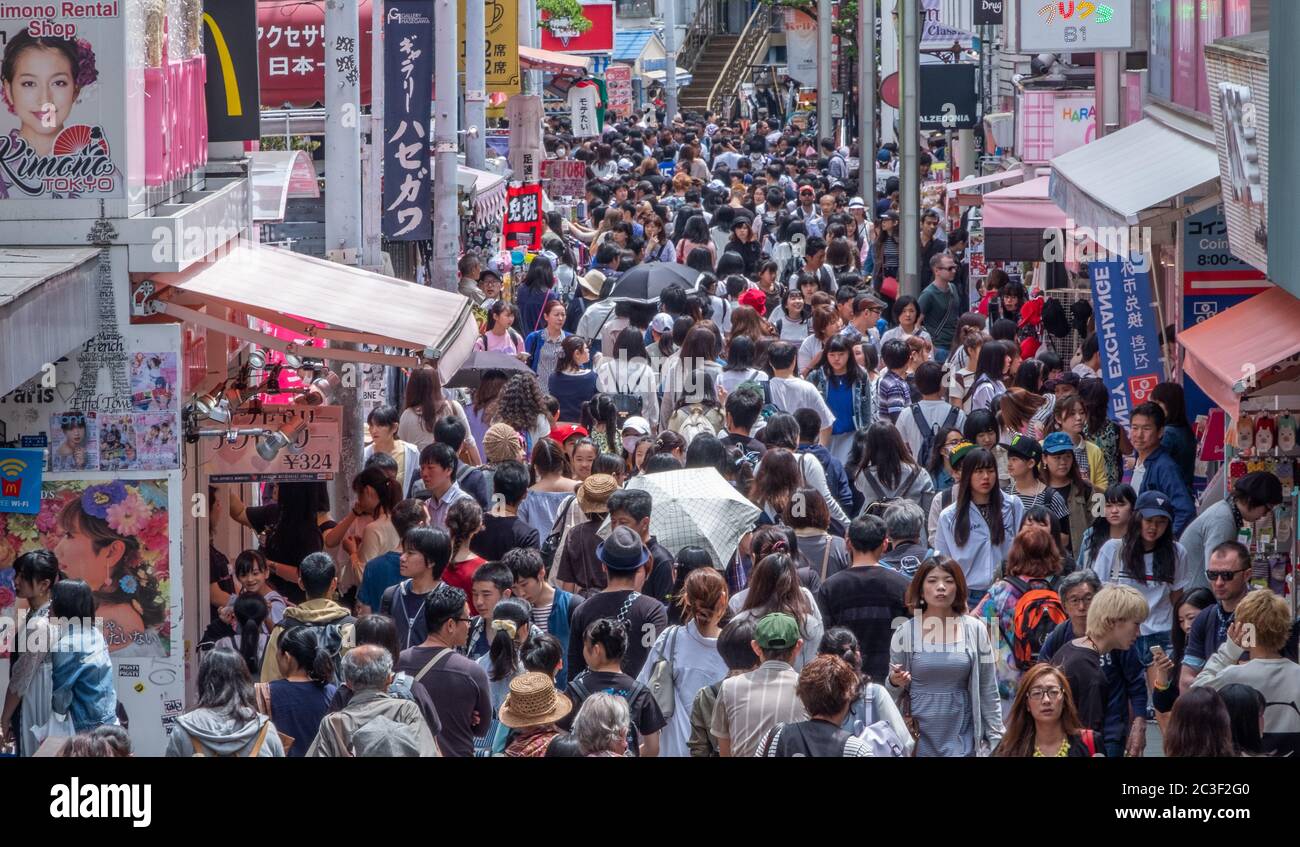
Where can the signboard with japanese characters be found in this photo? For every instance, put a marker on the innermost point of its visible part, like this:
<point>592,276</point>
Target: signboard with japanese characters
<point>584,102</point>
<point>408,95</point>
<point>291,51</point>
<point>524,222</point>
<point>524,112</point>
<point>1082,26</point>
<point>501,47</point>
<point>1128,329</point>
<point>308,439</point>
<point>618,81</point>
<point>564,177</point>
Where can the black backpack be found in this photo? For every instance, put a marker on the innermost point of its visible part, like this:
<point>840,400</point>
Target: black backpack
<point>578,693</point>
<point>1054,319</point>
<point>337,637</point>
<point>928,434</point>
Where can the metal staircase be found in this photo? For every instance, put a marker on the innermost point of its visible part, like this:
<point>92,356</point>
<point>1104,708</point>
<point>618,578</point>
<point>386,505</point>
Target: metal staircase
<point>735,68</point>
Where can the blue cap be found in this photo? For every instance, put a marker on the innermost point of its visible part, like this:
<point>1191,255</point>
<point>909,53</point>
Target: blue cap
<point>1057,442</point>
<point>1153,504</point>
<point>883,156</point>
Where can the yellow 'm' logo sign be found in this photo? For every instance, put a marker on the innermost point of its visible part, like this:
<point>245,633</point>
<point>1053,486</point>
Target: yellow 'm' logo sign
<point>234,108</point>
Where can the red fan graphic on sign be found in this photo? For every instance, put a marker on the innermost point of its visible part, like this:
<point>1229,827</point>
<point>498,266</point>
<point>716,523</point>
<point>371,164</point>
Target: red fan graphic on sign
<point>78,138</point>
<point>1141,386</point>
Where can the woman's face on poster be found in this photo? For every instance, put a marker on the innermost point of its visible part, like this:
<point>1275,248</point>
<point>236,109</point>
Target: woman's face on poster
<point>43,91</point>
<point>75,435</point>
<point>79,559</point>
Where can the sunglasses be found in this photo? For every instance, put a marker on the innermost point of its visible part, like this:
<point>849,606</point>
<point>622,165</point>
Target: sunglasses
<point>1225,576</point>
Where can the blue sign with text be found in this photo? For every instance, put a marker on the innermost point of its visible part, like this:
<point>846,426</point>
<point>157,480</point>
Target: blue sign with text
<point>1128,331</point>
<point>20,480</point>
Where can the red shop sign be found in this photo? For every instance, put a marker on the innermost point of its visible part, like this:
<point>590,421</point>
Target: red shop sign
<point>523,225</point>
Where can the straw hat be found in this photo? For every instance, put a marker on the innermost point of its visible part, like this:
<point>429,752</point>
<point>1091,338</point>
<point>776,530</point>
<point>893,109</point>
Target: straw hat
<point>501,443</point>
<point>595,491</point>
<point>533,701</point>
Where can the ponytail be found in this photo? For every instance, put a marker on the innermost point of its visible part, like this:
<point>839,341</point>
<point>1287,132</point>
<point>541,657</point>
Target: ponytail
<point>250,614</point>
<point>509,617</point>
<point>304,644</point>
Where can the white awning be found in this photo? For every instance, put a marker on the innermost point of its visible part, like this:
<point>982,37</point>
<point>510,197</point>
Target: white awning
<point>1113,180</point>
<point>326,300</point>
<point>48,307</point>
<point>976,186</point>
<point>683,76</point>
<point>277,176</point>
<point>486,190</point>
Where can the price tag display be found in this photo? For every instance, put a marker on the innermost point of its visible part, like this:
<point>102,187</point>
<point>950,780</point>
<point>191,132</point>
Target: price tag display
<point>304,445</point>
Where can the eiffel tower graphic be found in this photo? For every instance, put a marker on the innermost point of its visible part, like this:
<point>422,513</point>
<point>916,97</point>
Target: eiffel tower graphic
<point>107,349</point>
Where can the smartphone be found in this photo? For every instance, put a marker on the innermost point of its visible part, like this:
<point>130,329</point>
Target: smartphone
<point>1157,651</point>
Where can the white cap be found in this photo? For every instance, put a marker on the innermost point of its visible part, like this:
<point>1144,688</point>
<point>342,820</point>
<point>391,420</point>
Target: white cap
<point>662,322</point>
<point>638,424</point>
<point>857,203</point>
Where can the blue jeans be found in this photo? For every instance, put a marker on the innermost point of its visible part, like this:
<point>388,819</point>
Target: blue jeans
<point>1114,750</point>
<point>1145,642</point>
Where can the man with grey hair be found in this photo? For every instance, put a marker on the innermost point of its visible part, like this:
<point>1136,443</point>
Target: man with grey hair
<point>601,725</point>
<point>904,526</point>
<point>374,722</point>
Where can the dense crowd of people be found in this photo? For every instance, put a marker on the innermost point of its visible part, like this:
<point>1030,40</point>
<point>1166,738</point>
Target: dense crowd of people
<point>953,550</point>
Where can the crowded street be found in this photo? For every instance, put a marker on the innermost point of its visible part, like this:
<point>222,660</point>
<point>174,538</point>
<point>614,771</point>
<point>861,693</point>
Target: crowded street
<point>702,379</point>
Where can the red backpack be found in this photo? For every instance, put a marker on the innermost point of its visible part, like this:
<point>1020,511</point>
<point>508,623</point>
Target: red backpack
<point>1038,612</point>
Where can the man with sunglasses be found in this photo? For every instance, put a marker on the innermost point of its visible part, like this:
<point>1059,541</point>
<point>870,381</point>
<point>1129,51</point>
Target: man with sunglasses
<point>939,306</point>
<point>1229,575</point>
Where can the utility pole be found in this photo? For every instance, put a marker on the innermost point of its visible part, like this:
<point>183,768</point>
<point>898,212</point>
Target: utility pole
<point>446,217</point>
<point>530,38</point>
<point>343,207</point>
<point>867,103</point>
<point>825,123</point>
<point>670,64</point>
<point>476,83</point>
<point>372,195</point>
<point>909,179</point>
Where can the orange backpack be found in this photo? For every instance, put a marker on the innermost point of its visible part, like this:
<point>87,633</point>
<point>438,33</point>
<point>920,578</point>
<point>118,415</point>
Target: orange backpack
<point>1038,612</point>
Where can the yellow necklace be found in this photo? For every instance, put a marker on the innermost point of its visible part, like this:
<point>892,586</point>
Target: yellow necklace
<point>1060,754</point>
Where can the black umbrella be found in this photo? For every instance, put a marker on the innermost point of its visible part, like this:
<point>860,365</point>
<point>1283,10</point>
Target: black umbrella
<point>479,363</point>
<point>646,282</point>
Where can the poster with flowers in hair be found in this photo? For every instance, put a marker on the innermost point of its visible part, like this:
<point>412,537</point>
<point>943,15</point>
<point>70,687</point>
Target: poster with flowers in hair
<point>114,535</point>
<point>62,101</point>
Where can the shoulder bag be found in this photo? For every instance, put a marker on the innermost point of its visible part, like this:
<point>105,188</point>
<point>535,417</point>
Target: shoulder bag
<point>662,686</point>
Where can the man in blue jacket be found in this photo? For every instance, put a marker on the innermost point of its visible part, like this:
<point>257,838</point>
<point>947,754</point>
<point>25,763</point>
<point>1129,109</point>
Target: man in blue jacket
<point>1156,470</point>
<point>552,606</point>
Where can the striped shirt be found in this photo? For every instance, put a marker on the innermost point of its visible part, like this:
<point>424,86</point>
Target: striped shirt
<point>751,704</point>
<point>542,617</point>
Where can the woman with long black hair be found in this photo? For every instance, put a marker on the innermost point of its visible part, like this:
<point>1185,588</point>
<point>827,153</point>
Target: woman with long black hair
<point>538,287</point>
<point>846,388</point>
<point>573,383</point>
<point>978,528</point>
<point>225,721</point>
<point>1101,430</point>
<point>298,701</point>
<point>882,468</point>
<point>774,587</point>
<point>1117,514</point>
<point>293,525</point>
<point>1177,437</point>
<point>626,372</point>
<point>987,386</point>
<point>600,418</point>
<point>27,697</point>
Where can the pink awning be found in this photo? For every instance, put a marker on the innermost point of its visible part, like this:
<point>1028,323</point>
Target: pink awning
<point>972,190</point>
<point>341,302</point>
<point>536,59</point>
<point>1231,354</point>
<point>1023,206</point>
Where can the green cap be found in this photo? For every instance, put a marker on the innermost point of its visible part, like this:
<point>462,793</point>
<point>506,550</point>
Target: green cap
<point>777,631</point>
<point>959,452</point>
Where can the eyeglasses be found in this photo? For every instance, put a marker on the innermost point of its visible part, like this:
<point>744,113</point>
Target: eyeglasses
<point>1081,602</point>
<point>1045,693</point>
<point>948,268</point>
<point>463,620</point>
<point>1226,576</point>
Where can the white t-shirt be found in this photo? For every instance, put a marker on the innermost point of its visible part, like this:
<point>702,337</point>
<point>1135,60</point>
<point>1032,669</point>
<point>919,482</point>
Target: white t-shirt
<point>730,379</point>
<point>1161,617</point>
<point>1085,372</point>
<point>809,348</point>
<point>935,413</point>
<point>410,427</point>
<point>789,394</point>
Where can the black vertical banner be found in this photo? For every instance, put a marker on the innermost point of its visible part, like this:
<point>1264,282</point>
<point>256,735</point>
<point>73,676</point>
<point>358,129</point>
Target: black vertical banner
<point>408,99</point>
<point>988,12</point>
<point>230,50</point>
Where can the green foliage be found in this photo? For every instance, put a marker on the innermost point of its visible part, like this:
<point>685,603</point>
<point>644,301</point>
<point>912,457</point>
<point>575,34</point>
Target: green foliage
<point>568,12</point>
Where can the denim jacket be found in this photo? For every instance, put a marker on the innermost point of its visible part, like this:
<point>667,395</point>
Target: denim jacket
<point>82,679</point>
<point>864,411</point>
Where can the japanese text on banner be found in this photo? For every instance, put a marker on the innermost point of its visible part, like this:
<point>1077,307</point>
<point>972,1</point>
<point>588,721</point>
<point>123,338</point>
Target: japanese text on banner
<point>1127,332</point>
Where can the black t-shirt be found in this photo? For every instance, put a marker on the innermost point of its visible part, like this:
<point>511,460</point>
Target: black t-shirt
<point>646,618</point>
<point>501,534</point>
<point>647,718</point>
<point>219,571</point>
<point>866,600</point>
<point>1082,666</point>
<point>659,584</point>
<point>747,443</point>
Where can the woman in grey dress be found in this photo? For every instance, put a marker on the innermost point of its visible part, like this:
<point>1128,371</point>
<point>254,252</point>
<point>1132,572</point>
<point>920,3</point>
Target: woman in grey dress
<point>944,660</point>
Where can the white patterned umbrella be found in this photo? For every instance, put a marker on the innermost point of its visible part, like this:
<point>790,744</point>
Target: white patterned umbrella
<point>697,507</point>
